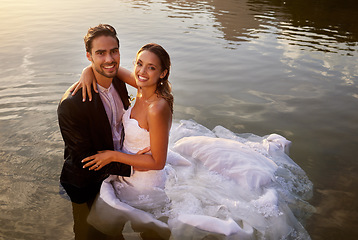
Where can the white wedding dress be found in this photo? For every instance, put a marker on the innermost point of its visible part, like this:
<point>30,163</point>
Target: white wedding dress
<point>215,184</point>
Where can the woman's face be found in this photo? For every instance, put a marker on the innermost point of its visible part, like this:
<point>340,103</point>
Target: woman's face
<point>148,69</point>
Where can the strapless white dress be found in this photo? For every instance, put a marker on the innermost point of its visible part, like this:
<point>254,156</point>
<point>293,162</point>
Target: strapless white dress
<point>215,184</point>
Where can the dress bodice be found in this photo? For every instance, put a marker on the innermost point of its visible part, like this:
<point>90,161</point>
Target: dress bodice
<point>135,138</point>
<point>143,189</point>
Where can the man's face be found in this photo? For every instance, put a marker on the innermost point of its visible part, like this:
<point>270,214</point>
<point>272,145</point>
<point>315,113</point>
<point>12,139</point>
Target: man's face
<point>105,56</point>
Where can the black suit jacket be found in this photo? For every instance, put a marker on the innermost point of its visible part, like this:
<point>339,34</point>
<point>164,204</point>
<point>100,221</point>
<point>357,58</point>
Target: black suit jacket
<point>86,130</point>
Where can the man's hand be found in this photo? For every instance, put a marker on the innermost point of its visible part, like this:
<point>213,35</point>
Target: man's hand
<point>143,151</point>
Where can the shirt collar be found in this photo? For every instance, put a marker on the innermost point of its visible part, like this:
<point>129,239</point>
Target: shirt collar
<point>103,89</point>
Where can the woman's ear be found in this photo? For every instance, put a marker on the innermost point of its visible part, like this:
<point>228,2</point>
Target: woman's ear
<point>164,73</point>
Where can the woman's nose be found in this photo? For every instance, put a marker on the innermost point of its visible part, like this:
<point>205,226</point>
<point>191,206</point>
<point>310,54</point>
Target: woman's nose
<point>142,70</point>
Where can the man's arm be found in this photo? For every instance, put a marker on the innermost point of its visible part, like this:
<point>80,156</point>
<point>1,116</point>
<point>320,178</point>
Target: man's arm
<point>73,119</point>
<point>73,129</point>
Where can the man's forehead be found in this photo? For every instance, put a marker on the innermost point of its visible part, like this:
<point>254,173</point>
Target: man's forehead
<point>105,43</point>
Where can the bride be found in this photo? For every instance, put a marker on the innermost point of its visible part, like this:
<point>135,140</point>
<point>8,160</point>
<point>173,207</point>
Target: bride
<point>195,183</point>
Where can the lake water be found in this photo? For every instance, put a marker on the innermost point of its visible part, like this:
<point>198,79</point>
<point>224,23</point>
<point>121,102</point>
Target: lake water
<point>253,66</point>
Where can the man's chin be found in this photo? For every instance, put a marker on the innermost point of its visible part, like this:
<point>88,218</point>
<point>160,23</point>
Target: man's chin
<point>109,74</point>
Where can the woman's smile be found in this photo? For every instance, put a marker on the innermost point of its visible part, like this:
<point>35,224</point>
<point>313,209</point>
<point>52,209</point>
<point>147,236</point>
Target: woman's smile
<point>142,79</point>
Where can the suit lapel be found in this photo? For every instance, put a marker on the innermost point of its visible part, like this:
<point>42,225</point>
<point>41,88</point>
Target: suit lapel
<point>120,86</point>
<point>100,117</point>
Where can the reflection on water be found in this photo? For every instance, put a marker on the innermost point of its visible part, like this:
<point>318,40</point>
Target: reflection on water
<point>334,18</point>
<point>313,24</point>
<point>234,19</point>
<point>257,66</point>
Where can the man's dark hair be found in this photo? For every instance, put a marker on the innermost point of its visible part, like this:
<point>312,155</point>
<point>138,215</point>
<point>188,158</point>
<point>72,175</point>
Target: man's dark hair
<point>100,30</point>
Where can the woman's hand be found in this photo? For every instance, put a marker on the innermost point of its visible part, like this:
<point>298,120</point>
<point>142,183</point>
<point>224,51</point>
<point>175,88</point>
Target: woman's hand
<point>87,81</point>
<point>98,161</point>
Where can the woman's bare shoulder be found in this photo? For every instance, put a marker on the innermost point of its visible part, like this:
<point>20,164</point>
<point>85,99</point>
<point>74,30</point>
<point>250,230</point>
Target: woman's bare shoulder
<point>159,109</point>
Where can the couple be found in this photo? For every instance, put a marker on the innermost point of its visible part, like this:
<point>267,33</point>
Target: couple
<point>193,183</point>
<point>97,125</point>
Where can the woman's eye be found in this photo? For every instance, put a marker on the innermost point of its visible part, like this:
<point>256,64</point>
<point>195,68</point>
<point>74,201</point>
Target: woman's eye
<point>139,64</point>
<point>152,68</point>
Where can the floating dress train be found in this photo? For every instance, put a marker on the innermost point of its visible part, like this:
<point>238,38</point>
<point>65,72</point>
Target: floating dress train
<point>215,183</point>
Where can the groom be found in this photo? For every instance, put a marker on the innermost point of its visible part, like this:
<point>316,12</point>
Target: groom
<point>92,126</point>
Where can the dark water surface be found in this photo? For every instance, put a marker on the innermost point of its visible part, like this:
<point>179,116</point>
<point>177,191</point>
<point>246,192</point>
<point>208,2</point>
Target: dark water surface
<point>258,66</point>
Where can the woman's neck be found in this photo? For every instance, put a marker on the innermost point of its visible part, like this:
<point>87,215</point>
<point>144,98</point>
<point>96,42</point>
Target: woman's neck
<point>146,94</point>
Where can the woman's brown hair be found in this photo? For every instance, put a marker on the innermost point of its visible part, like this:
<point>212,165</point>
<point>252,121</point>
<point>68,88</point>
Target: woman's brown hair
<point>164,88</point>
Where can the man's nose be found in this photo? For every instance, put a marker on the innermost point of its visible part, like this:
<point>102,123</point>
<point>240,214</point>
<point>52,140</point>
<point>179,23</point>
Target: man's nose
<point>109,58</point>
